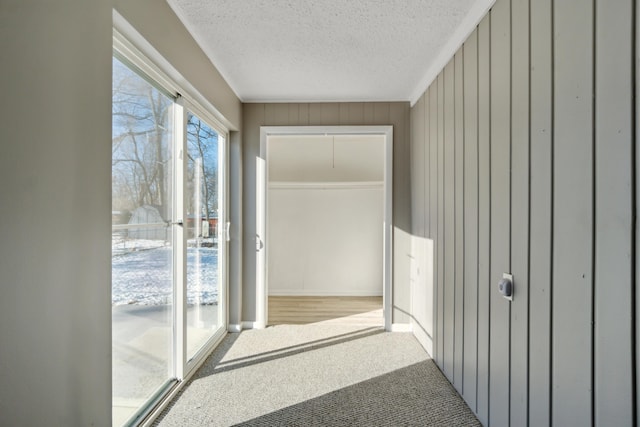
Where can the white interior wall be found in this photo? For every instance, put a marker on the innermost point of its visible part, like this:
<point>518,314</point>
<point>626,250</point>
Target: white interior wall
<point>325,241</point>
<point>325,213</point>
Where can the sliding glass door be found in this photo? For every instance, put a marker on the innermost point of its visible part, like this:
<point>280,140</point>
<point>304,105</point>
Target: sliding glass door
<point>204,186</point>
<point>168,239</point>
<point>142,241</point>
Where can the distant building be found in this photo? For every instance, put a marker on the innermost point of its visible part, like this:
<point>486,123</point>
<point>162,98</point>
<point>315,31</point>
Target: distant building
<point>148,214</point>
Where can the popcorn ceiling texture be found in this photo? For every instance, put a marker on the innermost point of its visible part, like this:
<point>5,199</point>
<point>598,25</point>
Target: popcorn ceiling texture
<point>328,50</point>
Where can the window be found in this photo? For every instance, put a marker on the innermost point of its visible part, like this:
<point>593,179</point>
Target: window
<point>168,240</point>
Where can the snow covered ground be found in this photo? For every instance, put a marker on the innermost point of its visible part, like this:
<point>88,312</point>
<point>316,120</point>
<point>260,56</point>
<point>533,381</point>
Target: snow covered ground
<point>142,271</point>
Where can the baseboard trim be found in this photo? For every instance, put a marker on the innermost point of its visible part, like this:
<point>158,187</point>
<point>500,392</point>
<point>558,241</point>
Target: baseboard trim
<point>422,337</point>
<point>246,324</point>
<point>401,327</point>
<point>237,327</point>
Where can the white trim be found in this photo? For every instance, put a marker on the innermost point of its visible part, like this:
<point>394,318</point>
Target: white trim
<point>205,350</point>
<point>325,130</point>
<point>319,100</point>
<point>127,49</point>
<point>261,209</point>
<point>262,305</point>
<point>422,337</point>
<point>247,324</point>
<point>234,327</point>
<point>277,185</point>
<point>179,239</point>
<point>224,142</point>
<point>130,43</point>
<point>401,327</point>
<point>387,233</point>
<point>460,35</point>
<point>319,293</point>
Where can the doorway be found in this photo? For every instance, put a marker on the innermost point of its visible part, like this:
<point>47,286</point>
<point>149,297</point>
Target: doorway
<point>322,183</point>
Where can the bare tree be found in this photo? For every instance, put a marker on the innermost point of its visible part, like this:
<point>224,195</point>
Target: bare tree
<point>203,144</point>
<point>141,148</point>
<point>140,142</point>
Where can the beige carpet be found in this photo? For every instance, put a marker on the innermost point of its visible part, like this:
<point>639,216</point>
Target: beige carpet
<point>318,375</point>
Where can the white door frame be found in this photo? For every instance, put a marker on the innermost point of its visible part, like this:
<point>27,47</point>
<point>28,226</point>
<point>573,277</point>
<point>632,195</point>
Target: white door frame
<point>262,179</point>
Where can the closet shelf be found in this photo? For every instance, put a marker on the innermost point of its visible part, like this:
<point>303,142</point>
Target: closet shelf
<point>350,185</point>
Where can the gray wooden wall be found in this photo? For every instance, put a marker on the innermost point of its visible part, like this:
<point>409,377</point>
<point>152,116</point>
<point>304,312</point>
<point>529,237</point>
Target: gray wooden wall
<point>330,114</point>
<point>522,157</point>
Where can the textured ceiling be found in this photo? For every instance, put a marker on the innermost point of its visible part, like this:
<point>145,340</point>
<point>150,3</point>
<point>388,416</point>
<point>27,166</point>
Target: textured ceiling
<point>329,50</point>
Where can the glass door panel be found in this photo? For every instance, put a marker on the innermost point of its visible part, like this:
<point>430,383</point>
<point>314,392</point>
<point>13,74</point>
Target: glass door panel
<point>203,222</point>
<point>142,242</point>
<point>168,250</point>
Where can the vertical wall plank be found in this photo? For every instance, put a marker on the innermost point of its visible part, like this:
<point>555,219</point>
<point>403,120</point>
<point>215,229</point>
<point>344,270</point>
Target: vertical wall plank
<point>500,211</point>
<point>470,219</point>
<point>315,114</point>
<point>417,168</point>
<point>397,114</point>
<point>613,214</point>
<point>426,132</point>
<point>381,112</point>
<point>433,208</point>
<point>546,191</point>
<point>344,114</point>
<point>519,211</point>
<point>449,219</point>
<point>573,214</point>
<point>356,112</point>
<point>440,236</point>
<point>303,114</point>
<point>294,114</point>
<point>427,262</point>
<point>329,113</point>
<point>458,343</point>
<point>484,215</point>
<point>420,301</point>
<point>368,113</point>
<point>278,114</point>
<point>540,214</point>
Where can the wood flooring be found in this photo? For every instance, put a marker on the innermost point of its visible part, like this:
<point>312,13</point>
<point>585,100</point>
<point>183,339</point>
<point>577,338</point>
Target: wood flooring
<point>299,310</point>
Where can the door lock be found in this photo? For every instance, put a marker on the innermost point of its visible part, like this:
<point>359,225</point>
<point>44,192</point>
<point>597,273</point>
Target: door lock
<point>505,286</point>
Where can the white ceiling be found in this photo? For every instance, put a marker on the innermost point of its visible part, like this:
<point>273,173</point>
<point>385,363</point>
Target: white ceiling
<point>329,50</point>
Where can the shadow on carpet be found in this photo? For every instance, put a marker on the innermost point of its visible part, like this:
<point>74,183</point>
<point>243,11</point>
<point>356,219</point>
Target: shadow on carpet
<point>417,395</point>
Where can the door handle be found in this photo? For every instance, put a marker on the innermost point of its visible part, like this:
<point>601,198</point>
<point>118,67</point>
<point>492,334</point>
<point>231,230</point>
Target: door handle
<point>259,244</point>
